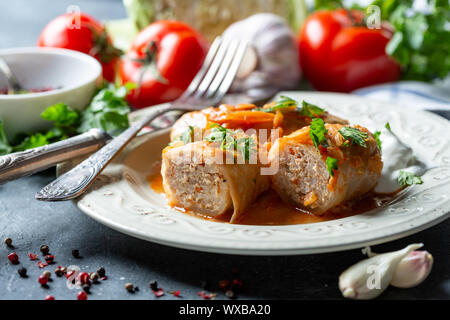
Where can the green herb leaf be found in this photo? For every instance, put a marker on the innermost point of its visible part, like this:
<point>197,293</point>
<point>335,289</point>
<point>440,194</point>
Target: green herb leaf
<point>408,179</point>
<point>283,103</point>
<point>186,137</point>
<point>107,111</point>
<point>33,141</point>
<point>377,135</point>
<point>388,126</point>
<point>229,141</point>
<point>332,165</point>
<point>421,41</point>
<point>317,132</point>
<point>61,115</point>
<point>246,146</point>
<point>355,136</point>
<point>307,109</point>
<point>217,134</point>
<point>310,110</point>
<point>328,4</point>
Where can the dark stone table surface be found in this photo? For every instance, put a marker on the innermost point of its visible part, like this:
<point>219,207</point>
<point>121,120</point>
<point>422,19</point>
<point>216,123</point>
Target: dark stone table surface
<point>64,227</point>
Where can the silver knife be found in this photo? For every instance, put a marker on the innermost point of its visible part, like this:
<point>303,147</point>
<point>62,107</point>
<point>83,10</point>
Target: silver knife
<point>25,163</point>
<point>22,164</point>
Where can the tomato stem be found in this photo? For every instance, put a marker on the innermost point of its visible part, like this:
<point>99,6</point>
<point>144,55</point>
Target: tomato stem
<point>103,48</point>
<point>353,18</point>
<point>149,64</point>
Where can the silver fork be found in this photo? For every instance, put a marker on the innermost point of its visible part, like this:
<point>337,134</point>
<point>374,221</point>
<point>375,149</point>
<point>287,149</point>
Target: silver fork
<point>207,89</point>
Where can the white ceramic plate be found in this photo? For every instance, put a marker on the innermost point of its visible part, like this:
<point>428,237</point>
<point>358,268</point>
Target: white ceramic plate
<point>123,200</point>
<point>72,75</point>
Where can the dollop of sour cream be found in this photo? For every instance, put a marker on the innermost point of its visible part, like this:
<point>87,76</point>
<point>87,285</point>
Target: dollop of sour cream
<point>396,157</point>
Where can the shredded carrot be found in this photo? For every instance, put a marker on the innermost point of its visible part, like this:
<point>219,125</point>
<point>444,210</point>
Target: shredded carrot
<point>310,198</point>
<point>243,117</point>
<point>333,181</point>
<point>245,106</point>
<point>278,120</point>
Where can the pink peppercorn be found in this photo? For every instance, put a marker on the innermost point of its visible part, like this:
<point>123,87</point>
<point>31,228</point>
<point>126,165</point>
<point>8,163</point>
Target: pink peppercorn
<point>69,274</point>
<point>32,256</point>
<point>176,293</point>
<point>82,295</point>
<point>13,258</point>
<point>49,258</point>
<point>83,278</point>
<point>42,280</point>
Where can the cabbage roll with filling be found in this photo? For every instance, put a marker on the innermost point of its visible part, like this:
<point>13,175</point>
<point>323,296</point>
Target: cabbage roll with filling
<point>324,165</point>
<point>208,178</point>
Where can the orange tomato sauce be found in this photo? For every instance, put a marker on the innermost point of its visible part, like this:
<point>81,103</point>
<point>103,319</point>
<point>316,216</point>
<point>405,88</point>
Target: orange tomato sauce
<point>270,209</point>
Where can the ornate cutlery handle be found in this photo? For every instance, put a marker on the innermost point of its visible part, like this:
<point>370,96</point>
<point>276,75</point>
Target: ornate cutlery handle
<point>28,162</point>
<point>76,181</point>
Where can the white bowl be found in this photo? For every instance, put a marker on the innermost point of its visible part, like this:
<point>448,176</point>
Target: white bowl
<point>72,75</point>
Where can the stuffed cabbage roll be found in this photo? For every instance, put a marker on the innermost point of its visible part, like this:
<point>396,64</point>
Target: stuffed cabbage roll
<point>195,179</point>
<point>324,165</point>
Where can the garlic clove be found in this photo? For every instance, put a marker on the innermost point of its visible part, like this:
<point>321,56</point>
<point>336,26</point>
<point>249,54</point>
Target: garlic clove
<point>248,64</point>
<point>412,269</point>
<point>370,277</point>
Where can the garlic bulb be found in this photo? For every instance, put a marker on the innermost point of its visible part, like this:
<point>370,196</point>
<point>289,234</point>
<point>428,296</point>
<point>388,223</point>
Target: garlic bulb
<point>370,277</point>
<point>412,269</point>
<point>271,62</point>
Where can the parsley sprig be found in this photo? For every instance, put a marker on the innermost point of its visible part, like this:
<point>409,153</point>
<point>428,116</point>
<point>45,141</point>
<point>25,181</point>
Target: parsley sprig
<point>421,41</point>
<point>108,111</point>
<point>307,109</point>
<point>187,136</point>
<point>376,136</point>
<point>310,110</point>
<point>408,179</point>
<point>230,141</point>
<point>332,165</point>
<point>388,126</point>
<point>355,136</point>
<point>318,132</point>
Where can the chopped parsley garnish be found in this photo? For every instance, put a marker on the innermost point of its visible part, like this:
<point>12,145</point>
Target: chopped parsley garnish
<point>229,141</point>
<point>377,135</point>
<point>388,126</point>
<point>317,132</point>
<point>332,165</point>
<point>285,102</point>
<point>408,179</point>
<point>355,136</point>
<point>218,134</point>
<point>186,137</point>
<point>310,110</point>
<point>245,146</point>
<point>307,109</point>
<point>108,110</point>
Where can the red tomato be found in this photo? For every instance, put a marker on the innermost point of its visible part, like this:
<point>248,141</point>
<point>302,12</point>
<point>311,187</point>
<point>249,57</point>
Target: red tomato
<point>162,60</point>
<point>338,54</point>
<point>88,37</point>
